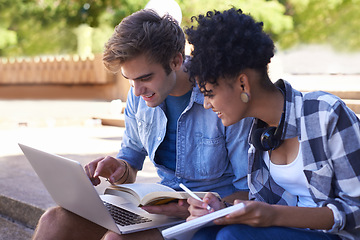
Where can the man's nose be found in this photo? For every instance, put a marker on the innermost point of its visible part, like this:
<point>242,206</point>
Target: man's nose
<point>138,88</point>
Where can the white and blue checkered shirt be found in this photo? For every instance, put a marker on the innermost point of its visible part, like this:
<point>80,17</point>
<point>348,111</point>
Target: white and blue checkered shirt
<point>329,133</point>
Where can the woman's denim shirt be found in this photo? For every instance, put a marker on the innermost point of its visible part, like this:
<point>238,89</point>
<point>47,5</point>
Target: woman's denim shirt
<point>209,156</point>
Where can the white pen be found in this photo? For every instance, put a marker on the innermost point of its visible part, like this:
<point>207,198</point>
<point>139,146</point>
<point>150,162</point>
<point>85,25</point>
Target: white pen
<point>193,194</point>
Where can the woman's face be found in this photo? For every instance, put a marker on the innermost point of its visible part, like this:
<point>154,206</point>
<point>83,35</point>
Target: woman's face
<point>224,99</point>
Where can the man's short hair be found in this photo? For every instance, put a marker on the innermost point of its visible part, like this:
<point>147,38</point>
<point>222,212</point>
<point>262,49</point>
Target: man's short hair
<point>144,32</point>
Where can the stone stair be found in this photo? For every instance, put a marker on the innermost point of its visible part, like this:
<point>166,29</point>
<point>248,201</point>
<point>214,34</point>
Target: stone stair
<point>353,104</point>
<point>351,98</point>
<point>347,87</point>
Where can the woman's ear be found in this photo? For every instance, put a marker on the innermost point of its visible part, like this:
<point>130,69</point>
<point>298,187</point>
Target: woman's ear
<point>242,83</point>
<point>176,62</point>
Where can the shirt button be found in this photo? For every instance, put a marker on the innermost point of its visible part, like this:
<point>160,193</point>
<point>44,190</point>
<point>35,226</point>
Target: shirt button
<point>139,124</point>
<point>159,138</point>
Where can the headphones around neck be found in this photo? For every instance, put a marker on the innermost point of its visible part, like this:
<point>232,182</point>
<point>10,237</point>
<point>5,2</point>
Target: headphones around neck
<point>266,138</point>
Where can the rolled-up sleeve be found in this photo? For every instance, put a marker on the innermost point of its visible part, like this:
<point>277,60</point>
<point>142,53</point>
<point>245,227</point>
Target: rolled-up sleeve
<point>132,149</point>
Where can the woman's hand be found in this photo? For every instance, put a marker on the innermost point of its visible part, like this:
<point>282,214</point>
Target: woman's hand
<point>256,214</point>
<point>199,208</point>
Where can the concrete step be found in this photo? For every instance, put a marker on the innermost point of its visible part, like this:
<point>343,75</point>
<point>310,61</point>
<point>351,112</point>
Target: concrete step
<point>352,100</point>
<point>347,94</point>
<point>17,219</point>
<point>21,212</point>
<point>111,120</point>
<point>353,104</point>
<point>10,230</point>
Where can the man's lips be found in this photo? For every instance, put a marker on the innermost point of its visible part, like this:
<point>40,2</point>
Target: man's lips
<point>148,97</point>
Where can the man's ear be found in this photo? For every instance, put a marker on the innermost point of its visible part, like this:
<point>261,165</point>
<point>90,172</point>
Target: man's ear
<point>176,62</point>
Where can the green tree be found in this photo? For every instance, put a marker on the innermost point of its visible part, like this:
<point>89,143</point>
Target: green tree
<point>293,22</point>
<point>271,13</point>
<point>335,22</point>
<point>34,27</point>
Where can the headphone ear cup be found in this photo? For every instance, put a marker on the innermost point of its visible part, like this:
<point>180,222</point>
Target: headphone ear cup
<point>268,141</point>
<point>256,137</point>
<point>263,139</point>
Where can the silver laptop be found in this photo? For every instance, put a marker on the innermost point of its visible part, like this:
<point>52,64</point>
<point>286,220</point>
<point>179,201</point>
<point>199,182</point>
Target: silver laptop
<point>69,186</point>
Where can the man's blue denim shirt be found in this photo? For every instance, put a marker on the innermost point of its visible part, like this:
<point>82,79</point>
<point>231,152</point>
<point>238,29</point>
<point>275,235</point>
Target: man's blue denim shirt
<point>210,157</point>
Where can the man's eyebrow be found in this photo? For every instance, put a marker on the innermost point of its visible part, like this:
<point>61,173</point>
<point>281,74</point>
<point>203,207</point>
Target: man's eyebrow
<point>140,77</point>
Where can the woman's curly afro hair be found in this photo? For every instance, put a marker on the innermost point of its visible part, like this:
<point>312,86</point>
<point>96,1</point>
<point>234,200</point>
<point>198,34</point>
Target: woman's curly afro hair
<point>225,43</point>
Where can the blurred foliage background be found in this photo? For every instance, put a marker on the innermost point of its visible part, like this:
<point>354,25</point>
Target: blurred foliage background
<point>53,27</point>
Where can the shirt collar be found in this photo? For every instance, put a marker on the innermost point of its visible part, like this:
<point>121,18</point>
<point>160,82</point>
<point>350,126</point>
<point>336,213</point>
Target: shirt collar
<point>293,106</point>
<point>197,96</point>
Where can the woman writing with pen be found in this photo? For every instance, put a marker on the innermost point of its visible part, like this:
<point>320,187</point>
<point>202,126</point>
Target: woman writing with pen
<point>304,156</point>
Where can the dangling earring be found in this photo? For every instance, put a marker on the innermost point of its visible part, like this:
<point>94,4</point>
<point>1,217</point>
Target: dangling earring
<point>244,97</point>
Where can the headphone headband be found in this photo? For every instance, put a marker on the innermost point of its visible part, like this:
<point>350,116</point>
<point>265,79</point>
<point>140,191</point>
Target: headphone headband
<point>280,126</point>
<point>266,138</point>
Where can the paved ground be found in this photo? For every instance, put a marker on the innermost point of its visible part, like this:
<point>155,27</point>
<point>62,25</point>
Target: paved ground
<point>67,128</point>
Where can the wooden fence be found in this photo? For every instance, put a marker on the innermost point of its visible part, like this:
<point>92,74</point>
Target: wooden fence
<point>54,70</point>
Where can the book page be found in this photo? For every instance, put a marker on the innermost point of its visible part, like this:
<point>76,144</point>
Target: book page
<point>158,198</point>
<point>143,194</point>
<point>128,195</point>
<point>142,189</point>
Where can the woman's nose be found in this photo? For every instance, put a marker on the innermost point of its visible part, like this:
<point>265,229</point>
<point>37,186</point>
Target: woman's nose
<point>207,104</point>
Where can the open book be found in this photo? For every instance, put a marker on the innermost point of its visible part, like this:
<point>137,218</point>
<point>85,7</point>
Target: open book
<point>142,194</point>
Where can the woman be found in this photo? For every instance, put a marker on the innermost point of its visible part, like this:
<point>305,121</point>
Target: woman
<point>304,158</point>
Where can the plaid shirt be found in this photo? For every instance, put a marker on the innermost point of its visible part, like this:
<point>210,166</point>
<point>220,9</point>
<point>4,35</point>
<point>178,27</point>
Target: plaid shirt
<point>329,133</point>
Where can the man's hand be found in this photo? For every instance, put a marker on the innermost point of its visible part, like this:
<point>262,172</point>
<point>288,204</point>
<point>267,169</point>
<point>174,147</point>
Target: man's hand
<point>179,209</point>
<point>107,167</point>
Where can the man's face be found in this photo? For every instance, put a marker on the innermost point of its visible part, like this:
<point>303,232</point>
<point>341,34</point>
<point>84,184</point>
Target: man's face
<point>148,80</point>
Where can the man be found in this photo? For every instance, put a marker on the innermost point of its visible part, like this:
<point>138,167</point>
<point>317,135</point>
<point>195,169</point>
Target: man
<point>165,120</point>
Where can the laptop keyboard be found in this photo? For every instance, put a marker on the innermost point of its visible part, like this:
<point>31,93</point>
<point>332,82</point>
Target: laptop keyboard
<point>124,217</point>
